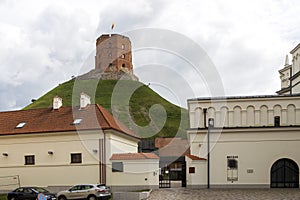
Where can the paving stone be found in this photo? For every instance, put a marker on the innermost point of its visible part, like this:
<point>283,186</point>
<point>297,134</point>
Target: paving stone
<point>224,194</point>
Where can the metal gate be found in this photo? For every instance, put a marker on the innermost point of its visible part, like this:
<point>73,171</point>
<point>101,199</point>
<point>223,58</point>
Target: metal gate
<point>183,180</point>
<point>164,178</point>
<point>285,174</point>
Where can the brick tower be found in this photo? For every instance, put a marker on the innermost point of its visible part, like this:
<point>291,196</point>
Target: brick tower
<point>113,54</point>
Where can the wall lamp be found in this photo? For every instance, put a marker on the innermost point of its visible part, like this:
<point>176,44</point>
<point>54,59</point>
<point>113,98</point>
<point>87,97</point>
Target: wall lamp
<point>50,152</point>
<point>5,154</point>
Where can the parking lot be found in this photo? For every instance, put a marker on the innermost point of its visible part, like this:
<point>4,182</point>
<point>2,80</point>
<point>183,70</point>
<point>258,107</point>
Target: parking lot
<point>224,194</point>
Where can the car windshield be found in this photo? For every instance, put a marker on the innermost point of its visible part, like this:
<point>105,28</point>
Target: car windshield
<point>40,190</point>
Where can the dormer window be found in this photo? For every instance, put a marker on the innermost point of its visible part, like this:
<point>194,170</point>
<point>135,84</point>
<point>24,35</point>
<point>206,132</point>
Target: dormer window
<point>76,121</point>
<point>21,125</point>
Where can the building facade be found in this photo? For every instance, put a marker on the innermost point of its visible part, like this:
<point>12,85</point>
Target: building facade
<point>290,74</point>
<point>61,146</point>
<point>253,142</point>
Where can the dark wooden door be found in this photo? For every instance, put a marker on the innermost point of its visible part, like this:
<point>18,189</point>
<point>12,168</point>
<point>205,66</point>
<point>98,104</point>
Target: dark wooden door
<point>285,174</point>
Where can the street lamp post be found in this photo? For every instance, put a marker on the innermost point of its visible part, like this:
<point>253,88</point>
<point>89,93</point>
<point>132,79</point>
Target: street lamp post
<point>210,126</point>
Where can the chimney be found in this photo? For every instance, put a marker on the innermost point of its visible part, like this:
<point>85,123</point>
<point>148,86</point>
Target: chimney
<point>57,102</point>
<point>84,100</point>
<point>286,63</point>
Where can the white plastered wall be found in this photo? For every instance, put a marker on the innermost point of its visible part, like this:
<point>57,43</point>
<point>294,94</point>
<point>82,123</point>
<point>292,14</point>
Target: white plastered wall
<point>143,172</point>
<point>256,150</point>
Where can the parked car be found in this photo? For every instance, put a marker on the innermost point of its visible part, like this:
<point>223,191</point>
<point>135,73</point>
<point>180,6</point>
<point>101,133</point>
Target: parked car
<point>85,191</point>
<point>29,193</point>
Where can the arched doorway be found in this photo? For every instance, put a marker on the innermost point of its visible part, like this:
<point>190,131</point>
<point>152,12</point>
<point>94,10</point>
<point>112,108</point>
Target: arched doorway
<point>285,174</point>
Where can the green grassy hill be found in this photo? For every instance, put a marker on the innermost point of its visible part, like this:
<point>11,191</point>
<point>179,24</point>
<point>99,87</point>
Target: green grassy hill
<point>132,102</point>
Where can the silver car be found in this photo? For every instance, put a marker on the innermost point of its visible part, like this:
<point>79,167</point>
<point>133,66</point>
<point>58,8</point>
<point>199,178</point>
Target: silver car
<point>85,191</point>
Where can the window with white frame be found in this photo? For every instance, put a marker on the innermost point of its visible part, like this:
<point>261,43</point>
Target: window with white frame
<point>29,160</point>
<point>76,158</point>
<point>232,168</point>
<point>117,167</point>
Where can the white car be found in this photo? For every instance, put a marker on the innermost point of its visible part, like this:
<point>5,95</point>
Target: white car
<point>85,191</point>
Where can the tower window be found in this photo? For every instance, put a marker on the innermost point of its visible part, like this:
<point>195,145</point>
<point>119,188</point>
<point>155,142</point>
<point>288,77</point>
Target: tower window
<point>123,65</point>
<point>110,55</point>
<point>123,46</point>
<point>123,56</point>
<point>109,45</point>
<point>276,121</point>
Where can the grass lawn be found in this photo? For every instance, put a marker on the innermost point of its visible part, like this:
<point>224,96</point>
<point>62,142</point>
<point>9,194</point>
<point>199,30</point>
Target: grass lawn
<point>3,196</point>
<point>135,104</point>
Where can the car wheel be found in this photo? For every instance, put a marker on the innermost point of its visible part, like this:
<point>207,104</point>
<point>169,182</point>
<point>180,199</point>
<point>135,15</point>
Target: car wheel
<point>92,197</point>
<point>62,198</point>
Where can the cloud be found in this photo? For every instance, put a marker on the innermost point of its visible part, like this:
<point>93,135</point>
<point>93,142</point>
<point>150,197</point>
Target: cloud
<point>246,40</point>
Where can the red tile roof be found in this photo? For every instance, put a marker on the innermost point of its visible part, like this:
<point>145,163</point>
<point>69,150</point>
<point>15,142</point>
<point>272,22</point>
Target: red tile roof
<point>133,156</point>
<point>94,117</point>
<point>172,146</point>
<point>195,157</point>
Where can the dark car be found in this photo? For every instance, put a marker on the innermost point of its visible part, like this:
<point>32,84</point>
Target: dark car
<point>85,191</point>
<point>30,193</point>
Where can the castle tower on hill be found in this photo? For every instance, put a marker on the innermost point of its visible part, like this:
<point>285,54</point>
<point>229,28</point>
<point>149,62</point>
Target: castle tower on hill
<point>113,59</point>
<point>113,53</point>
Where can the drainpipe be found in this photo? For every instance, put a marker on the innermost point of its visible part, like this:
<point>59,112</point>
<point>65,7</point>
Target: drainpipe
<point>102,159</point>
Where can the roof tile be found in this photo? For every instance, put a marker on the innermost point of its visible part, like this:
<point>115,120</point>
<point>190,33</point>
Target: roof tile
<point>194,157</point>
<point>94,117</point>
<point>133,156</point>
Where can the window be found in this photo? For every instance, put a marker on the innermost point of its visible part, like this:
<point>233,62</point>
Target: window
<point>109,45</point>
<point>75,188</point>
<point>110,55</point>
<point>123,65</point>
<point>232,163</point>
<point>117,167</point>
<point>276,121</point>
<point>110,64</point>
<point>123,56</point>
<point>21,124</point>
<point>232,168</point>
<point>123,46</point>
<point>76,158</point>
<point>29,160</point>
<point>192,170</point>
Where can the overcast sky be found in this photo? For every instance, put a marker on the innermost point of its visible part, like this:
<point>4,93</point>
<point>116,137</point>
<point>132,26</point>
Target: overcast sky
<point>44,43</point>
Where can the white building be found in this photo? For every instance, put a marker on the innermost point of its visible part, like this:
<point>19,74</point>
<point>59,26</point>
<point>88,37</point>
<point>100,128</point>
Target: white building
<point>62,146</point>
<point>254,141</point>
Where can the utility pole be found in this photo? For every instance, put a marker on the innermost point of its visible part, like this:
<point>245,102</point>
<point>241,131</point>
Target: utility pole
<point>210,126</point>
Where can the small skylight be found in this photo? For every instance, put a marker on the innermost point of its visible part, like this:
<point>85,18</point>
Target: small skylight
<point>21,124</point>
<point>76,121</point>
